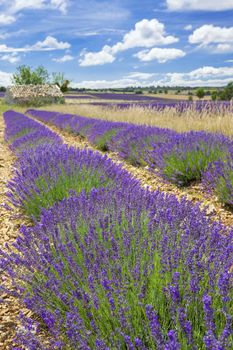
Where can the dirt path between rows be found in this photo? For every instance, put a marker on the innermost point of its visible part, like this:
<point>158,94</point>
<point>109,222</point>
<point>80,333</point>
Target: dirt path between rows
<point>9,306</point>
<point>194,193</point>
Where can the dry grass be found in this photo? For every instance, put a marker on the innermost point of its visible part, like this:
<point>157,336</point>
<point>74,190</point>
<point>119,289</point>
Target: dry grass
<point>5,107</point>
<point>168,118</point>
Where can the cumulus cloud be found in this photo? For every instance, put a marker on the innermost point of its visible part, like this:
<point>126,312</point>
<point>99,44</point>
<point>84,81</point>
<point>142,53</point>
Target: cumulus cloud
<point>140,75</point>
<point>203,76</point>
<point>146,33</point>
<point>202,5</point>
<point>12,8</point>
<point>160,55</point>
<point>61,5</point>
<point>217,39</point>
<point>222,48</point>
<point>96,58</point>
<point>6,19</point>
<point>65,58</point>
<point>49,44</point>
<point>20,5</point>
<point>208,33</point>
<point>188,27</point>
<point>101,84</point>
<point>11,58</point>
<point>5,78</point>
<point>208,71</point>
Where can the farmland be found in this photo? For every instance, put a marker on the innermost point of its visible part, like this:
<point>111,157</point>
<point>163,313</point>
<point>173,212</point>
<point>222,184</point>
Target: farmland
<point>107,258</point>
<point>183,117</point>
<point>116,175</point>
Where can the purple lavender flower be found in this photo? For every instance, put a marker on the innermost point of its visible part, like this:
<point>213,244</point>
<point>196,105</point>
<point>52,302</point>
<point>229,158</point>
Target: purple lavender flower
<point>172,343</point>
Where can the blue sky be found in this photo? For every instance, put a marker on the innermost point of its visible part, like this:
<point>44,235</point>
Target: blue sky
<point>120,43</point>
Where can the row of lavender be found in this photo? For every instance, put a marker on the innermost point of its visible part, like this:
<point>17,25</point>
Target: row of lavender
<point>178,106</point>
<point>180,158</point>
<point>115,96</point>
<point>155,103</point>
<point>112,266</point>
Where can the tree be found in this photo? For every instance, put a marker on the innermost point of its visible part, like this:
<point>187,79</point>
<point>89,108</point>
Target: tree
<point>227,93</point>
<point>200,93</point>
<point>25,75</point>
<point>60,81</point>
<point>214,95</point>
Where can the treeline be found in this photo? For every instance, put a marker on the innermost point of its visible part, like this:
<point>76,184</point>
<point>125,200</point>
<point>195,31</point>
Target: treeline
<point>223,93</point>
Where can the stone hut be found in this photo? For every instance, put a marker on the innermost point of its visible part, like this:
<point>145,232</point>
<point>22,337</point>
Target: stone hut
<point>34,94</point>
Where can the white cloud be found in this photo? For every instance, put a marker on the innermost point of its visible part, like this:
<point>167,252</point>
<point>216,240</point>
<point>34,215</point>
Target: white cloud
<point>203,5</point>
<point>61,5</point>
<point>216,39</point>
<point>6,19</point>
<point>11,58</point>
<point>146,33</point>
<point>203,76</point>
<point>223,48</point>
<point>188,27</point>
<point>182,81</point>
<point>49,44</point>
<point>12,8</point>
<point>5,78</point>
<point>161,55</point>
<point>208,34</point>
<point>65,58</point>
<point>101,84</point>
<point>229,61</point>
<point>140,75</point>
<point>96,58</point>
<point>20,5</point>
<point>208,71</point>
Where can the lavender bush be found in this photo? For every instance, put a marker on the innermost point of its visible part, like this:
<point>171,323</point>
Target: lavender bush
<point>179,157</point>
<point>99,132</point>
<point>134,142</point>
<point>218,178</point>
<point>48,174</point>
<point>114,266</point>
<point>24,133</point>
<point>186,156</point>
<point>48,171</point>
<point>127,270</point>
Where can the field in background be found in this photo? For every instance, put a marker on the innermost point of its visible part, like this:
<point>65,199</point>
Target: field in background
<point>178,97</point>
<point>168,118</point>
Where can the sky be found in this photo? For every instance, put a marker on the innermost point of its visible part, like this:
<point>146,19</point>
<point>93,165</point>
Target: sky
<point>119,43</point>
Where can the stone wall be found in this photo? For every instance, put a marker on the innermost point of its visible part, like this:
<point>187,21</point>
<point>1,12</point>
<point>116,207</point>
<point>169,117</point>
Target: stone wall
<point>33,94</point>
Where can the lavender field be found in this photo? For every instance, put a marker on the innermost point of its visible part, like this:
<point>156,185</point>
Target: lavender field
<point>105,263</point>
<point>116,175</point>
<point>178,157</point>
